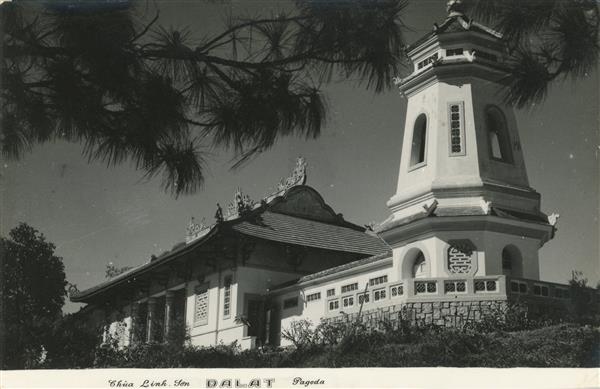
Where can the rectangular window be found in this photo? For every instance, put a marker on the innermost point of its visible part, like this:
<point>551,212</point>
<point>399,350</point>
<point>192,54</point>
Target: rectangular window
<point>349,287</point>
<point>455,287</point>
<point>425,287</point>
<point>348,301</point>
<point>290,303</point>
<point>227,297</point>
<point>485,55</point>
<point>330,292</point>
<point>201,305</point>
<point>427,61</point>
<point>457,130</point>
<point>485,286</point>
<point>378,280</point>
<point>396,290</point>
<point>454,52</point>
<point>363,298</point>
<point>379,295</point>
<point>334,305</point>
<point>518,287</point>
<point>313,297</point>
<point>540,290</point>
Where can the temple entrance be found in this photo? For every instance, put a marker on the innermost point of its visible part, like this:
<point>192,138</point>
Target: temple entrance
<point>255,313</point>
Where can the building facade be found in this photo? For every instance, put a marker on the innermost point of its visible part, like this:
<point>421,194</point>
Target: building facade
<point>462,238</point>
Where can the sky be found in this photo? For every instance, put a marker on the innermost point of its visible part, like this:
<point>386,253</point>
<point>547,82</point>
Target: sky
<point>97,215</point>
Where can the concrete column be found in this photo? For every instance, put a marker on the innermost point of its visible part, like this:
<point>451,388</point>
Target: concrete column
<point>169,309</point>
<point>150,318</point>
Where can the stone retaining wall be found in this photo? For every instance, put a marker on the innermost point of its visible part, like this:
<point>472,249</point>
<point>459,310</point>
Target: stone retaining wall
<point>439,313</point>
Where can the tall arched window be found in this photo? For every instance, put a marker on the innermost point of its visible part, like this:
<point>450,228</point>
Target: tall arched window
<point>419,140</point>
<point>498,138</point>
<point>512,261</point>
<point>418,270</point>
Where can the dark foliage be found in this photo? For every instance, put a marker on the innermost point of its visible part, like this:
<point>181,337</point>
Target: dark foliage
<point>91,73</point>
<point>33,285</point>
<point>547,40</point>
<point>564,345</point>
<point>72,343</point>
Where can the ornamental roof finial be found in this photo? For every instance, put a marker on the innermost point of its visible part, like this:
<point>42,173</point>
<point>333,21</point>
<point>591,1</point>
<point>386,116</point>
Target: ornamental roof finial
<point>455,8</point>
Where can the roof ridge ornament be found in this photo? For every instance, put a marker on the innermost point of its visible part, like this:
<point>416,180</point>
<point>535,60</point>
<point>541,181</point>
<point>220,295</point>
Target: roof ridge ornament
<point>195,230</point>
<point>455,8</point>
<point>298,177</point>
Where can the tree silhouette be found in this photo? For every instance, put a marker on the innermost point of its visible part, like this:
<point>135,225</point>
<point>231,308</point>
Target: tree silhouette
<point>32,280</point>
<point>88,72</point>
<point>93,73</point>
<point>546,39</point>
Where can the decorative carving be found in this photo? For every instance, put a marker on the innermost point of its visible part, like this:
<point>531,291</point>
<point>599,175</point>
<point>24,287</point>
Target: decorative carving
<point>553,219</point>
<point>397,80</point>
<point>195,230</point>
<point>486,206</point>
<point>460,257</point>
<point>455,6</point>
<point>240,205</point>
<point>298,177</point>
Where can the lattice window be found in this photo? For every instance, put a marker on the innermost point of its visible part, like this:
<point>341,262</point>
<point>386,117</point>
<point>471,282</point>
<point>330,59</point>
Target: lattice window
<point>454,52</point>
<point>457,130</point>
<point>201,305</point>
<point>427,61</point>
<point>379,294</point>
<point>313,297</point>
<point>378,280</point>
<point>349,287</point>
<point>455,287</point>
<point>425,287</point>
<point>485,286</point>
<point>540,290</point>
<point>363,298</point>
<point>290,302</point>
<point>348,301</point>
<point>227,297</point>
<point>396,290</point>
<point>330,292</point>
<point>518,287</point>
<point>334,305</point>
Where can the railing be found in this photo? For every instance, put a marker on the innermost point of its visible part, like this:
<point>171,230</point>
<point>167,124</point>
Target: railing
<point>548,290</point>
<point>453,288</point>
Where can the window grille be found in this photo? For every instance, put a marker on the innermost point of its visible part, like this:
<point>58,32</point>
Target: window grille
<point>562,293</point>
<point>454,52</point>
<point>313,296</point>
<point>349,287</point>
<point>334,305</point>
<point>485,286</point>
<point>348,301</point>
<point>201,305</point>
<point>396,290</point>
<point>455,287</point>
<point>379,295</point>
<point>290,303</point>
<point>330,292</point>
<point>227,297</point>
<point>363,298</point>
<point>457,130</point>
<point>518,287</point>
<point>427,61</point>
<point>540,290</point>
<point>378,280</point>
<point>424,287</point>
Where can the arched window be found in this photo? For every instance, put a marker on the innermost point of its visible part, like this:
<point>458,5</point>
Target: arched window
<point>419,140</point>
<point>418,270</point>
<point>512,261</point>
<point>498,139</point>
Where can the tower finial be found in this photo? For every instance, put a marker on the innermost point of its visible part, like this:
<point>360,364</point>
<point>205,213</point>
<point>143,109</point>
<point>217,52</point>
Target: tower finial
<point>455,7</point>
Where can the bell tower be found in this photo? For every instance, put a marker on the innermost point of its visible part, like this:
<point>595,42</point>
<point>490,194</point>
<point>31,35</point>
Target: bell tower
<point>462,181</point>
